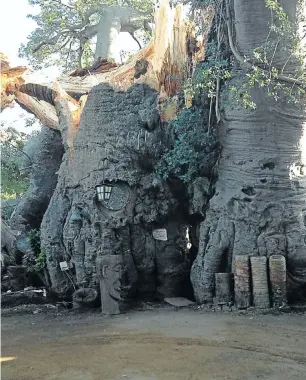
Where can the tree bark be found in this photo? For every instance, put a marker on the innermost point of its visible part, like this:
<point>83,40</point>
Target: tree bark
<point>166,57</point>
<point>114,20</point>
<point>259,204</point>
<point>43,178</point>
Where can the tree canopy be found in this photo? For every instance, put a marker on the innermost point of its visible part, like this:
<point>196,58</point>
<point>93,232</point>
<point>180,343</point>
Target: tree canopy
<point>66,29</point>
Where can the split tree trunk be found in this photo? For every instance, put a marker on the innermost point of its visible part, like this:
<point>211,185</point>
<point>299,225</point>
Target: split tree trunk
<point>259,206</point>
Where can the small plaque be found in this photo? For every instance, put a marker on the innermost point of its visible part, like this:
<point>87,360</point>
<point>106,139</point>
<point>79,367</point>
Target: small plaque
<point>64,266</point>
<point>160,234</point>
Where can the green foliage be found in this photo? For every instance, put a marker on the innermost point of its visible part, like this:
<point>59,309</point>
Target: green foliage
<point>184,159</point>
<point>64,34</point>
<point>242,97</point>
<point>265,72</point>
<point>40,261</point>
<point>34,238</point>
<point>13,181</point>
<point>207,73</point>
<point>35,260</point>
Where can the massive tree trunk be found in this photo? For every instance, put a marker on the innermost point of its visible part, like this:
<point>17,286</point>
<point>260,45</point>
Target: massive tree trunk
<point>118,142</point>
<point>114,20</point>
<point>118,139</point>
<point>259,204</point>
<point>43,178</point>
<point>108,30</point>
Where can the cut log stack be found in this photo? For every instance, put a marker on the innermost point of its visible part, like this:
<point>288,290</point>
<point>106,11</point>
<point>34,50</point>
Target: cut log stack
<point>254,271</point>
<point>242,282</point>
<point>260,286</point>
<point>277,271</point>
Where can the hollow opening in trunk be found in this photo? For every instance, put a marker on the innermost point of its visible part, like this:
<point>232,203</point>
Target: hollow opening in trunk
<point>249,191</point>
<point>268,165</point>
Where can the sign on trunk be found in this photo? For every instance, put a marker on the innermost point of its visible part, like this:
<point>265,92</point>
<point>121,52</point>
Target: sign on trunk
<point>160,234</point>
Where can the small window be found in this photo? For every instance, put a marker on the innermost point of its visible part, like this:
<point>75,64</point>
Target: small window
<point>104,192</point>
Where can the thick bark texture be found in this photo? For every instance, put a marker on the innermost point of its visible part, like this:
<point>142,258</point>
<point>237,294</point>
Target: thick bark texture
<point>43,178</point>
<point>259,204</point>
<point>8,245</point>
<point>118,142</point>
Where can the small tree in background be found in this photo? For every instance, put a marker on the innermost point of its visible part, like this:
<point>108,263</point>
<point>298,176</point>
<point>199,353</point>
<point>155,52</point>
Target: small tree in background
<point>66,30</point>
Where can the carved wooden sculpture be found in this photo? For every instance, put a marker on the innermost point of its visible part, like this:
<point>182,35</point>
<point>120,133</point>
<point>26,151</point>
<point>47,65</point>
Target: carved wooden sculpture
<point>109,270</point>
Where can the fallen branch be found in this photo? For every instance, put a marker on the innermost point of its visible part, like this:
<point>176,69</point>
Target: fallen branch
<point>44,111</point>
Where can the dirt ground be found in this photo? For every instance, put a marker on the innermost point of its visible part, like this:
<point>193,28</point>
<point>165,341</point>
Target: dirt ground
<point>158,344</point>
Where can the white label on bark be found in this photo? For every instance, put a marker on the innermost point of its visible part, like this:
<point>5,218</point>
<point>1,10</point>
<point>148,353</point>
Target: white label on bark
<point>160,234</point>
<point>63,266</point>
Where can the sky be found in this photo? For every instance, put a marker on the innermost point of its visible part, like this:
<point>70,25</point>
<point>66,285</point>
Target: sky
<point>14,29</point>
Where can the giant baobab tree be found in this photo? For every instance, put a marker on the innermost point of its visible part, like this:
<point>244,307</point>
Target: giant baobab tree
<point>259,204</point>
<point>252,75</point>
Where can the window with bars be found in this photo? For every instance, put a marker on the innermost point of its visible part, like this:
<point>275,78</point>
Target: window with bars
<point>104,192</point>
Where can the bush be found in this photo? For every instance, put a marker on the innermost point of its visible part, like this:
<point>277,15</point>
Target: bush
<point>34,259</point>
<point>190,150</point>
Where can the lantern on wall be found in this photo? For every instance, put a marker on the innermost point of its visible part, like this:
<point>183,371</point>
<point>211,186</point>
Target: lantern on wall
<point>104,191</point>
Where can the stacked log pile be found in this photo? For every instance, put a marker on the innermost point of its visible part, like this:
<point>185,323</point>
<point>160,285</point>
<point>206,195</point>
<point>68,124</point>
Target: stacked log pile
<point>258,282</point>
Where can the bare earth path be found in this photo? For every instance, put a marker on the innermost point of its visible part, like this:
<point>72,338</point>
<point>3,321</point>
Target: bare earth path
<point>160,344</point>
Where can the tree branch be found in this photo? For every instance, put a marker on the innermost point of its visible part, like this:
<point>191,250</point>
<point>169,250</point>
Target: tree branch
<point>41,109</point>
<point>50,41</point>
<point>19,150</point>
<point>135,39</point>
<point>69,39</point>
<point>65,5</point>
<point>89,31</point>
